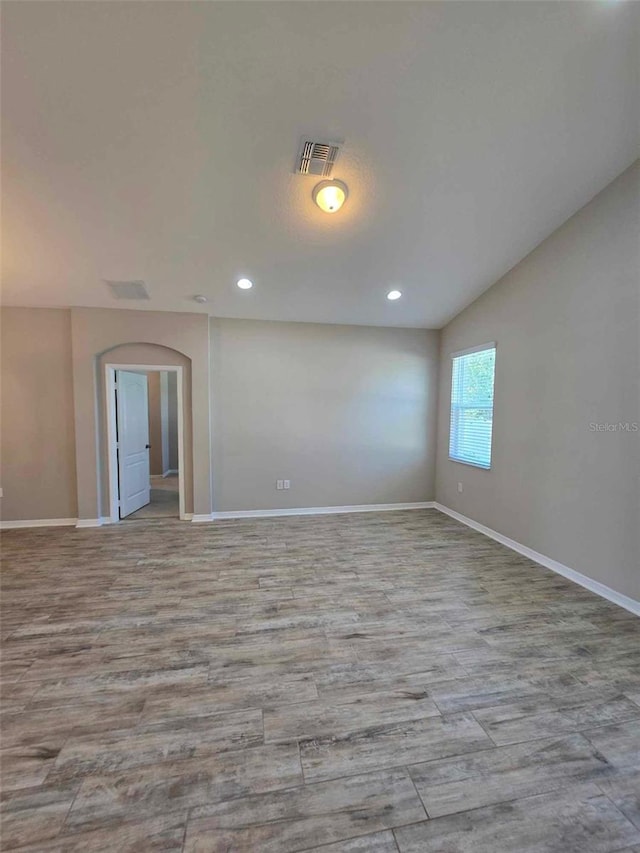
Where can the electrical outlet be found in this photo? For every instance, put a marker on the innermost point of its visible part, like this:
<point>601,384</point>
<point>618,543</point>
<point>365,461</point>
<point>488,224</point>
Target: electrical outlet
<point>1,493</point>
<point>460,488</point>
<point>279,484</point>
<point>287,484</point>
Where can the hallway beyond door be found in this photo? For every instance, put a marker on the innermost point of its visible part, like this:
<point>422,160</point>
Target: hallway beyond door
<point>164,502</point>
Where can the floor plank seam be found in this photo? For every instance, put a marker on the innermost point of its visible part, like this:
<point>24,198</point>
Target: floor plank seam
<point>418,794</point>
<point>484,729</point>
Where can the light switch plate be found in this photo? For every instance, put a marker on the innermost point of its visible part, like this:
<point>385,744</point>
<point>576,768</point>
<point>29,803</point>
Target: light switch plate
<point>287,484</point>
<point>279,484</point>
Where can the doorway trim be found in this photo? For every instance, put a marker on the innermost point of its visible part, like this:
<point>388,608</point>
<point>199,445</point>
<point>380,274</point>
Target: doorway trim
<point>110,387</point>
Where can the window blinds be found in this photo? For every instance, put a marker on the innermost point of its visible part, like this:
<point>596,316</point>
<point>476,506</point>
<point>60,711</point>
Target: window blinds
<point>472,382</point>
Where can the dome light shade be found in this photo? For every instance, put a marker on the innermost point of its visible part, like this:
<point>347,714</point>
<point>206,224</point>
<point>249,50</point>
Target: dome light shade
<point>330,195</point>
<point>393,295</point>
<point>245,284</point>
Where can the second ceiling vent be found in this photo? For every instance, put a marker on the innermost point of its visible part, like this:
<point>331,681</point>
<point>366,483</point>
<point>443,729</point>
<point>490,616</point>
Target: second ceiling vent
<point>317,158</point>
<point>128,289</point>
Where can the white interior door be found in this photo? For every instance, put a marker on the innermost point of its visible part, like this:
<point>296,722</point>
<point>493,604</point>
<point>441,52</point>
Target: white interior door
<point>133,441</point>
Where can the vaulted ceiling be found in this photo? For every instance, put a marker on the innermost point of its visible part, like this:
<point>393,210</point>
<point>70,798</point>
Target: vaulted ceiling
<point>156,141</point>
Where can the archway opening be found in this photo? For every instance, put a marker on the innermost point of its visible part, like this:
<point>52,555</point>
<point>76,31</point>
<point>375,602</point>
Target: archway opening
<point>146,442</point>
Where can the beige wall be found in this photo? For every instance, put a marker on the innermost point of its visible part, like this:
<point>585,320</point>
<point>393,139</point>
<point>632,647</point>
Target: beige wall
<point>172,417</point>
<point>37,431</point>
<point>567,327</point>
<point>347,413</point>
<point>156,426</point>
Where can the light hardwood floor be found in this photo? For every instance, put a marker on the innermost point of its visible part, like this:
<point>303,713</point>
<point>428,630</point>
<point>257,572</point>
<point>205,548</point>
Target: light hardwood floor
<point>347,684</point>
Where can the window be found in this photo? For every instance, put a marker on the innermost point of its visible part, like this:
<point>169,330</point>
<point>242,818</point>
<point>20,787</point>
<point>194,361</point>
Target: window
<point>472,378</point>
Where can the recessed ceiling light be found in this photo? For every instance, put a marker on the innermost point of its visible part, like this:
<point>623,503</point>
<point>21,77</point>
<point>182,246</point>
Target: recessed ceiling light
<point>245,284</point>
<point>394,294</point>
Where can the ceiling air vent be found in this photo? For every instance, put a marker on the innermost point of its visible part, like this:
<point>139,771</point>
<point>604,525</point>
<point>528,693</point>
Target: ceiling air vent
<point>317,158</point>
<point>128,289</point>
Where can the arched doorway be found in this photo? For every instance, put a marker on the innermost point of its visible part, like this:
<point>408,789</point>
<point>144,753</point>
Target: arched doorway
<point>143,362</point>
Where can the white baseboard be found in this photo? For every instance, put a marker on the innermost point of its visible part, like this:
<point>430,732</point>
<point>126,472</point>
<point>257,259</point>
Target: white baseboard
<point>38,522</point>
<point>310,510</point>
<point>598,588</point>
<point>169,472</point>
<point>92,522</point>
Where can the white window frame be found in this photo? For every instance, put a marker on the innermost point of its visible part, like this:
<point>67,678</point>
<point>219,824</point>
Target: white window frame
<point>491,345</point>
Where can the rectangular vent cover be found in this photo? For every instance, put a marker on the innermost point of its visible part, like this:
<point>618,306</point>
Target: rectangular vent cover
<point>317,158</point>
<point>128,289</point>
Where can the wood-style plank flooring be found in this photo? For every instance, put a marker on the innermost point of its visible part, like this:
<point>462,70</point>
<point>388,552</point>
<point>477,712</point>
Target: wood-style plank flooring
<point>367,683</point>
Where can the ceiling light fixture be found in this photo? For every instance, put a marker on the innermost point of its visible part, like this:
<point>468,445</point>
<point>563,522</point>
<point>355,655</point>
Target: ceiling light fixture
<point>394,294</point>
<point>330,195</point>
<point>200,298</point>
<point>245,284</point>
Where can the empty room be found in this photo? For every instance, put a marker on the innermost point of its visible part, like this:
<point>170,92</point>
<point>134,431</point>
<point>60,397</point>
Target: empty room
<point>320,426</point>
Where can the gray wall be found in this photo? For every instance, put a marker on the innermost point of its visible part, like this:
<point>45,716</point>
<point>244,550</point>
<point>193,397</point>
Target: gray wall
<point>37,435</point>
<point>347,413</point>
<point>567,327</point>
